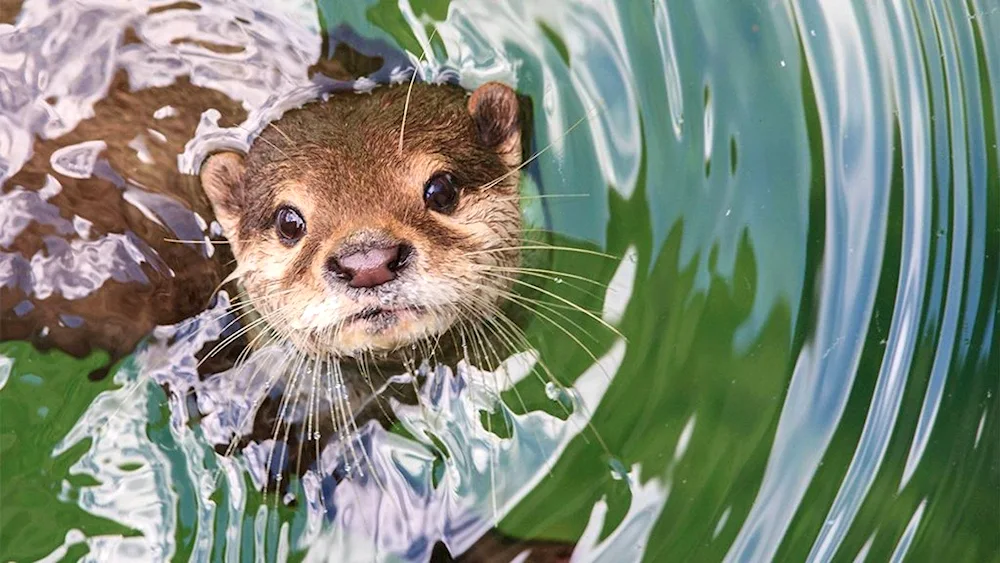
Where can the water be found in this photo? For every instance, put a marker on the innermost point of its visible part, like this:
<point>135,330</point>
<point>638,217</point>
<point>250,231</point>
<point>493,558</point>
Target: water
<point>805,200</point>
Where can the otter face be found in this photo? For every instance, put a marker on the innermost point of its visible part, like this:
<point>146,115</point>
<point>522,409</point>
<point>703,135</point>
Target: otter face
<point>348,241</point>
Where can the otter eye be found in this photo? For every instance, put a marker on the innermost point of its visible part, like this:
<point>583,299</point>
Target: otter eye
<point>440,193</point>
<point>289,225</point>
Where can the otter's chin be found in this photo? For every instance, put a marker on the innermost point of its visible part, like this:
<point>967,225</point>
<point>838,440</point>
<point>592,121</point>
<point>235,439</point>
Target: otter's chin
<point>383,330</point>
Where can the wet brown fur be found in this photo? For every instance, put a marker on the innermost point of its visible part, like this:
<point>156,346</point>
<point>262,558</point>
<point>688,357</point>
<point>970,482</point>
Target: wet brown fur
<point>119,314</point>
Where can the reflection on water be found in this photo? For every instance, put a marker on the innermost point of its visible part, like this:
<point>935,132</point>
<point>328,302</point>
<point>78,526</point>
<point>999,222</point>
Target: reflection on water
<point>805,198</point>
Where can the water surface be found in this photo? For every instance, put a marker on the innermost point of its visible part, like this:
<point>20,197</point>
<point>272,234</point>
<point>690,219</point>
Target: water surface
<point>804,203</point>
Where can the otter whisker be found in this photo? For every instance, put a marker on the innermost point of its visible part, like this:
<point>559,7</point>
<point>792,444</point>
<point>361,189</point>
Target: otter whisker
<point>262,321</point>
<point>335,370</point>
<point>551,376</point>
<point>514,329</point>
<point>564,300</point>
<point>256,402</point>
<point>203,241</point>
<point>254,406</point>
<point>568,333</point>
<point>553,275</point>
<point>343,406</point>
<point>306,432</point>
<point>409,90</point>
<point>285,412</point>
<point>322,364</point>
<point>490,319</point>
<point>498,319</point>
<point>508,330</point>
<point>215,291</point>
<point>244,354</point>
<point>513,349</point>
<point>515,332</point>
<point>363,368</point>
<point>232,308</point>
<point>286,396</point>
<point>346,417</point>
<point>489,429</point>
<point>552,304</point>
<point>237,363</point>
<point>555,304</point>
<point>587,117</point>
<point>269,382</point>
<point>552,309</point>
<point>541,247</point>
<point>249,415</point>
<point>274,126</point>
<point>414,374</point>
<point>335,401</point>
<point>542,196</point>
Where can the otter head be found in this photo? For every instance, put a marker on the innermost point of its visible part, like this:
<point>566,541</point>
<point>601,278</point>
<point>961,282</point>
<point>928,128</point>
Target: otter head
<point>348,240</point>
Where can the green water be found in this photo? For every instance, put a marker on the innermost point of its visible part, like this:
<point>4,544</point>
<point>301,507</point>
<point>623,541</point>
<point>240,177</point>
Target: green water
<point>812,198</point>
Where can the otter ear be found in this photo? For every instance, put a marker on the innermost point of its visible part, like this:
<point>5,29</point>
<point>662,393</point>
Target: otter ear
<point>494,109</point>
<point>222,181</point>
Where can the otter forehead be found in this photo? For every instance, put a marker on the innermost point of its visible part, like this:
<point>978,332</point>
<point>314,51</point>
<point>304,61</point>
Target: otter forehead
<point>357,135</point>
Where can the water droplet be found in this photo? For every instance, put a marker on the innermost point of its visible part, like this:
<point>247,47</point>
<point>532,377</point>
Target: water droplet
<point>782,63</point>
<point>558,280</point>
<point>618,470</point>
<point>316,436</point>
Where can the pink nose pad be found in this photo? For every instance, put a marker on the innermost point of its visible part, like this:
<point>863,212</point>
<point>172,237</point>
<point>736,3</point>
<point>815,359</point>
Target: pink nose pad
<point>370,267</point>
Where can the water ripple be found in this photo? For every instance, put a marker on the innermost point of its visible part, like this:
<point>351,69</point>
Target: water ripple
<point>805,198</point>
<point>855,130</point>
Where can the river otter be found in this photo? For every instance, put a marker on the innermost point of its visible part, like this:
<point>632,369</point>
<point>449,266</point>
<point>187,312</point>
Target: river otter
<point>351,233</point>
<point>433,210</point>
<point>355,233</point>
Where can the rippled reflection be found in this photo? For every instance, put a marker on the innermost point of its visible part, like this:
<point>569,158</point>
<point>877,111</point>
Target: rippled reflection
<point>805,200</point>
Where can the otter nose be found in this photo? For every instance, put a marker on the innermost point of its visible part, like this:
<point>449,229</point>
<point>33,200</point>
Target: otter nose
<point>370,266</point>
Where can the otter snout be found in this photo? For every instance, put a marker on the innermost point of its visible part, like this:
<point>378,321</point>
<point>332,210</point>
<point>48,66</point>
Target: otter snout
<point>370,265</point>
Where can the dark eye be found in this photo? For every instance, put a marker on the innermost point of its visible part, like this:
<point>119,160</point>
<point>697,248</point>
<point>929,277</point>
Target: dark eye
<point>289,225</point>
<point>440,193</point>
